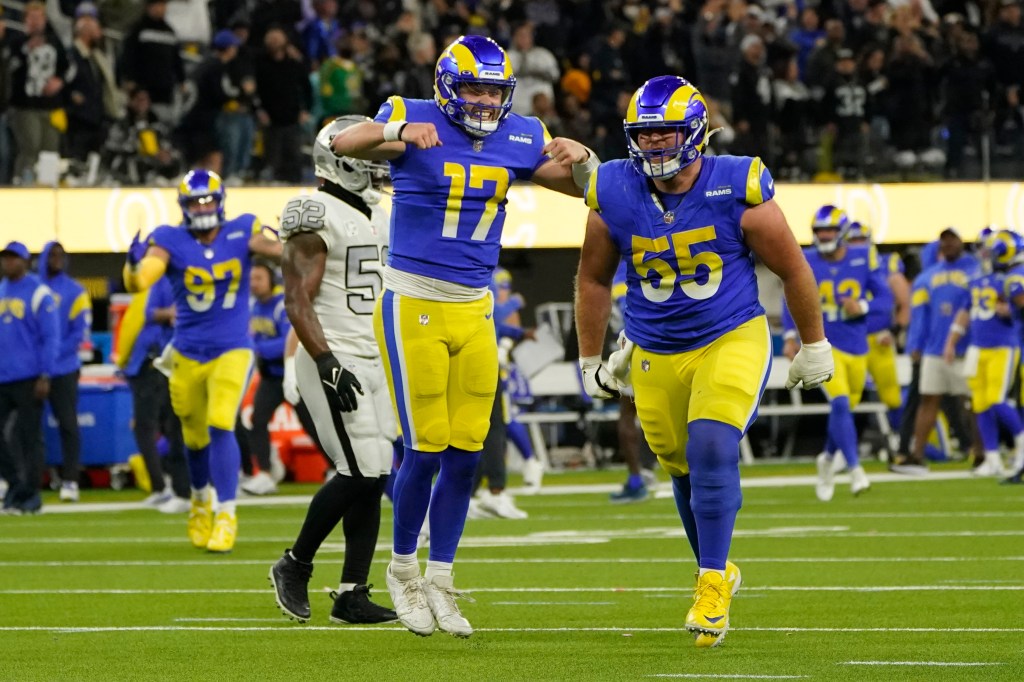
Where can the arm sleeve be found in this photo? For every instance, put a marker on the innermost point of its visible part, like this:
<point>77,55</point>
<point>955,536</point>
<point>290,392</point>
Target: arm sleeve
<point>273,348</point>
<point>80,318</point>
<point>918,319</point>
<point>878,281</point>
<point>48,319</point>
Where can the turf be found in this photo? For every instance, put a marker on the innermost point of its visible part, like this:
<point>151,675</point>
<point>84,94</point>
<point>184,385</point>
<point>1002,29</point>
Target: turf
<point>582,590</point>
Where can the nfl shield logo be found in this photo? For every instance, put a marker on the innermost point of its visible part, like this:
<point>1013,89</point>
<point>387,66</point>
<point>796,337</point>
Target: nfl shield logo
<point>645,365</point>
<point>424,319</point>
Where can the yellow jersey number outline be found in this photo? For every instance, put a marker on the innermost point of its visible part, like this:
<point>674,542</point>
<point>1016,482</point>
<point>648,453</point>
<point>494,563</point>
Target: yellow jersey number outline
<point>983,303</point>
<point>686,264</point>
<point>202,284</point>
<point>832,295</point>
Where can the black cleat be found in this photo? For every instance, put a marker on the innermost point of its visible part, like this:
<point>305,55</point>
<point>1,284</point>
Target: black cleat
<point>290,578</point>
<point>1016,479</point>
<point>355,608</point>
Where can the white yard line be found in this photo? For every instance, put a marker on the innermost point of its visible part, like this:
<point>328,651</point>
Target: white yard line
<point>719,676</point>
<point>943,664</point>
<point>291,627</point>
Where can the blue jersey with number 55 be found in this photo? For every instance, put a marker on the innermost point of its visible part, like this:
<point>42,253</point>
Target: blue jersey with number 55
<point>689,273</point>
<point>211,286</point>
<point>449,204</point>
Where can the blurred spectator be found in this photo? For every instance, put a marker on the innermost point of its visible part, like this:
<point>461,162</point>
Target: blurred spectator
<point>794,114</point>
<point>401,33</point>
<point>536,69</point>
<point>714,52</point>
<point>609,75</point>
<point>821,64</point>
<point>807,36</point>
<point>285,97</point>
<point>190,20</point>
<point>150,59</point>
<point>138,148</point>
<point>576,122</point>
<point>872,28</point>
<point>1004,47</point>
<point>5,96</point>
<point>544,109</point>
<point>576,79</point>
<point>39,69</point>
<point>845,112</point>
<point>341,84</point>
<point>911,102</point>
<point>320,35</point>
<point>29,335</point>
<point>752,101</point>
<point>874,78</point>
<point>84,94</point>
<point>235,123</point>
<point>417,80</point>
<point>967,82</point>
<point>268,13</point>
<point>74,313</point>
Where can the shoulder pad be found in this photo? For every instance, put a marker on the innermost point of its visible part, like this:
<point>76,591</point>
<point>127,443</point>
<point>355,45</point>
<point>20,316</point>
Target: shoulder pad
<point>303,214</point>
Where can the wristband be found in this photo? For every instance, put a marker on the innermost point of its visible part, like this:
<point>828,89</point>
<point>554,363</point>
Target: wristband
<point>958,329</point>
<point>581,172</point>
<point>393,130</point>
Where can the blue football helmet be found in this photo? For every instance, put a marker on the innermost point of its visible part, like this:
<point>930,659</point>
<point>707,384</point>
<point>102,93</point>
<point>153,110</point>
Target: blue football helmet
<point>858,232</point>
<point>667,102</point>
<point>473,59</point>
<point>829,217</point>
<point>1005,249</point>
<point>203,186</point>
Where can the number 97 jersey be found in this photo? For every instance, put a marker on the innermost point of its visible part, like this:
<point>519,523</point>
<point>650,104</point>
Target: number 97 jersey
<point>356,238</point>
<point>689,274</point>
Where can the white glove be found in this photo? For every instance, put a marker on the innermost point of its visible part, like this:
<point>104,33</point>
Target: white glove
<point>619,361</point>
<point>812,366</point>
<point>290,385</point>
<point>598,382</point>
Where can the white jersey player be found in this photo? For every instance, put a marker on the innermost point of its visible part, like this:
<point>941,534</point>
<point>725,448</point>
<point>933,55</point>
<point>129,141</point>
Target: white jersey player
<point>335,245</point>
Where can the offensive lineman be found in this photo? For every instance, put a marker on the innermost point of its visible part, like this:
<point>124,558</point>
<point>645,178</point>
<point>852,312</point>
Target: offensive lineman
<point>335,246</point>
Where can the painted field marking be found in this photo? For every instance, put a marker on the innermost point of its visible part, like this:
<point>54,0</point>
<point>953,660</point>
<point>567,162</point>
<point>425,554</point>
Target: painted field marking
<point>292,627</point>
<point>719,676</point>
<point>953,664</point>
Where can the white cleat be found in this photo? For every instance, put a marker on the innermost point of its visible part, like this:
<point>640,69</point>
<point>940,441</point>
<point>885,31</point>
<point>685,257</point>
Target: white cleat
<point>156,499</point>
<point>69,492</point>
<point>277,470</point>
<point>838,464</point>
<point>859,482</point>
<point>992,466</point>
<point>501,505</point>
<point>476,511</point>
<point>260,484</point>
<point>441,596</point>
<point>410,602</point>
<point>533,474</point>
<point>825,488</point>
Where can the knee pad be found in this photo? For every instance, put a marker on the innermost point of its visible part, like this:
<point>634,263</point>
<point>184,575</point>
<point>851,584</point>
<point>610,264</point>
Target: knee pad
<point>713,455</point>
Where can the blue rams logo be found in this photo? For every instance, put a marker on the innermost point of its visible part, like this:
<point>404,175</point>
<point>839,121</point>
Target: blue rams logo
<point>645,365</point>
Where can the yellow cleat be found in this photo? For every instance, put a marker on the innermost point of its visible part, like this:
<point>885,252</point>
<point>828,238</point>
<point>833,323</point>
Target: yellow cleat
<point>708,619</point>
<point>225,529</point>
<point>734,580</point>
<point>200,523</point>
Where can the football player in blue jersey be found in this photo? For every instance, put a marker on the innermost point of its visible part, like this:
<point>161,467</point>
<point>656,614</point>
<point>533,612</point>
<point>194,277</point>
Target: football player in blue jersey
<point>850,281</point>
<point>452,160</point>
<point>690,226</point>
<point>207,260</point>
<point>885,313</point>
<point>1007,252</point>
<point>934,301</point>
<point>991,360</point>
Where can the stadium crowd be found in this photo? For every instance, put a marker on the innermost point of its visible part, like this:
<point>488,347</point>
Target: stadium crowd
<point>135,92</point>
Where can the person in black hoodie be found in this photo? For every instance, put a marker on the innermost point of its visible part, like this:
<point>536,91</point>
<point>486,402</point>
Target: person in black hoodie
<point>285,95</point>
<point>150,59</point>
<point>84,92</point>
<point>966,81</point>
<point>39,70</point>
<point>846,115</point>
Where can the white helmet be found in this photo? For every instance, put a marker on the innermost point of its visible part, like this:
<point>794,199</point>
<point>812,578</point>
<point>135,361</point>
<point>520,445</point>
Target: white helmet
<point>362,178</point>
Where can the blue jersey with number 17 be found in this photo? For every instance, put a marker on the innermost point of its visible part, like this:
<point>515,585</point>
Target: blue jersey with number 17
<point>211,286</point>
<point>689,272</point>
<point>449,204</point>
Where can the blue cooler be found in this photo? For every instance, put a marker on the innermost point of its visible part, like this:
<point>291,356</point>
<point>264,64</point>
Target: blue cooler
<point>104,417</point>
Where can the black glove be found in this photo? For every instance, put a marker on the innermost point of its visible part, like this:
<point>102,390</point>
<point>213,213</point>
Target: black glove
<point>340,385</point>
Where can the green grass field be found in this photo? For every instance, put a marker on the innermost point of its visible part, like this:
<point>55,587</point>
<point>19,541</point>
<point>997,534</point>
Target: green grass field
<point>912,573</point>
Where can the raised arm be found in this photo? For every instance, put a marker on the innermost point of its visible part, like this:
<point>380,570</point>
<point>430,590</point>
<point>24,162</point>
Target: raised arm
<point>374,141</point>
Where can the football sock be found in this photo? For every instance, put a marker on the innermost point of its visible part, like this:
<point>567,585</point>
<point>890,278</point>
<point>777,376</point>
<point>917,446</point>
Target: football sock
<point>228,506</point>
<point>520,437</point>
<point>449,503</point>
<point>681,492</point>
<point>326,510</point>
<point>988,429</point>
<point>396,462</point>
<point>635,481</point>
<point>346,587</point>
<point>713,454</point>
<point>199,467</point>
<point>412,496</point>
<point>442,568</point>
<point>894,415</point>
<point>201,495</point>
<point>361,525</point>
<point>225,460</point>
<point>830,443</point>
<point>712,570</point>
<point>843,431</point>
<point>404,566</point>
<point>1009,418</point>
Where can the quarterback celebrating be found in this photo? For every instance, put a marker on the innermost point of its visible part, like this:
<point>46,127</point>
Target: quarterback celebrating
<point>335,241</point>
<point>689,227</point>
<point>207,261</point>
<point>452,161</point>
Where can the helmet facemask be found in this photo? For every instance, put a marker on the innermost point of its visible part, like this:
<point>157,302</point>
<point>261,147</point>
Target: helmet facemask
<point>665,162</point>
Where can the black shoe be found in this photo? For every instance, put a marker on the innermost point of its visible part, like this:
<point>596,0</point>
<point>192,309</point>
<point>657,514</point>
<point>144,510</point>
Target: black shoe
<point>33,504</point>
<point>1016,479</point>
<point>290,578</point>
<point>355,608</point>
